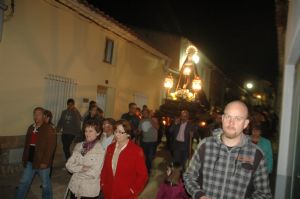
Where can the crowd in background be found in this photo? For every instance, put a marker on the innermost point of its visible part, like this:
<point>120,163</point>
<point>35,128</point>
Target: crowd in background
<point>113,158</point>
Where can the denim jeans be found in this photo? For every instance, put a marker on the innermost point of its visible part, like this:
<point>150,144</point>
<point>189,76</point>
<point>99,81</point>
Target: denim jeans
<point>149,151</point>
<point>26,180</point>
<point>67,140</point>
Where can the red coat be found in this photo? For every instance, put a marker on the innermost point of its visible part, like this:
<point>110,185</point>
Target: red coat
<point>131,173</point>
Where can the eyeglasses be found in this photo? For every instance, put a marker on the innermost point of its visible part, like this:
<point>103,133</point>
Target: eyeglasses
<point>233,118</point>
<point>121,132</point>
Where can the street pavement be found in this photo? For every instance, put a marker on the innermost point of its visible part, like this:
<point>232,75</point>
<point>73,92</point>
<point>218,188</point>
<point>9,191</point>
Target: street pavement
<point>61,177</point>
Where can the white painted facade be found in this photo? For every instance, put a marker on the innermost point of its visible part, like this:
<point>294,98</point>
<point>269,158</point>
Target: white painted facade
<point>288,171</point>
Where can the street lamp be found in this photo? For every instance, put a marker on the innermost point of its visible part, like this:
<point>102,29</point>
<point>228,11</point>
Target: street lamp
<point>258,96</point>
<point>249,85</point>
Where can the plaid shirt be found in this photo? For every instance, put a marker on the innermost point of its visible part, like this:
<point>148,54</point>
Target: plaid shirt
<point>219,172</point>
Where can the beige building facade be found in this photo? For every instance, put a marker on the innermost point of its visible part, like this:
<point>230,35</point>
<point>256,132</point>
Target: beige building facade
<point>52,50</point>
<point>288,167</point>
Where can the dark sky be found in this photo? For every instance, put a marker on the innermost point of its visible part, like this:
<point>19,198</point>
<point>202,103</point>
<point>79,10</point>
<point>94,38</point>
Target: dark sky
<point>238,36</point>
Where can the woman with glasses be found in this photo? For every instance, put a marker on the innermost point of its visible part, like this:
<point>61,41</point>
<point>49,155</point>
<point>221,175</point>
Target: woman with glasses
<point>124,172</point>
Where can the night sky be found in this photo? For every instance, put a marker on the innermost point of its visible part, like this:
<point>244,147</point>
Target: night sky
<point>238,36</point>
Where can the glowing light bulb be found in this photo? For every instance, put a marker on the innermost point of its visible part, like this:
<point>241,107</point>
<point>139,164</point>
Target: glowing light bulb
<point>187,71</point>
<point>196,58</point>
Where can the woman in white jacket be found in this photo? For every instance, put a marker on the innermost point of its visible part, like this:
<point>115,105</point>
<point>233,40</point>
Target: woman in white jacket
<point>86,164</point>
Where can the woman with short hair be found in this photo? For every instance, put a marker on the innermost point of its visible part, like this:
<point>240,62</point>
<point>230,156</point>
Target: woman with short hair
<point>124,172</point>
<point>107,136</point>
<point>86,163</point>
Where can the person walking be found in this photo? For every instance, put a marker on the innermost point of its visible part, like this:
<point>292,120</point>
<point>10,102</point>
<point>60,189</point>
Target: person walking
<point>107,136</point>
<point>86,163</point>
<point>148,129</point>
<point>132,118</point>
<point>182,131</point>
<point>124,172</point>
<point>228,165</point>
<point>48,120</point>
<point>92,115</point>
<point>70,125</point>
<point>264,144</point>
<point>91,103</point>
<point>40,143</point>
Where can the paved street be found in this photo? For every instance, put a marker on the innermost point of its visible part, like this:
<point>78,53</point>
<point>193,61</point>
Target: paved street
<point>61,178</point>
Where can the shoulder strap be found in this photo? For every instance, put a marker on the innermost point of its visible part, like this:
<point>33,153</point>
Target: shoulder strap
<point>202,157</point>
<point>257,158</point>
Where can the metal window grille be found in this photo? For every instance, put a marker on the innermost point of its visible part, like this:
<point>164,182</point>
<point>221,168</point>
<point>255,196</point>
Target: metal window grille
<point>58,91</point>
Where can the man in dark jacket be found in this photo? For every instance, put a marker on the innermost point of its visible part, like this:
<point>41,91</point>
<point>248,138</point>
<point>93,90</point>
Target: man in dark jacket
<point>40,143</point>
<point>228,165</point>
<point>182,132</point>
<point>132,118</point>
<point>70,124</point>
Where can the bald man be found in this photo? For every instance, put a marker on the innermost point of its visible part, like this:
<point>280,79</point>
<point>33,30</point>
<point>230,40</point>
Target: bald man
<point>228,165</point>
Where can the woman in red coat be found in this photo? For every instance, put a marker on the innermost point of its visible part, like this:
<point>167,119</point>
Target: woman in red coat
<point>124,172</point>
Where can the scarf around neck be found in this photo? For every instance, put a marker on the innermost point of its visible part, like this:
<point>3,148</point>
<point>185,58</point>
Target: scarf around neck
<point>87,146</point>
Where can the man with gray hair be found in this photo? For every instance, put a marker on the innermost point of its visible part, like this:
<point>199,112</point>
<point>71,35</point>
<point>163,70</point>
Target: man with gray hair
<point>228,165</point>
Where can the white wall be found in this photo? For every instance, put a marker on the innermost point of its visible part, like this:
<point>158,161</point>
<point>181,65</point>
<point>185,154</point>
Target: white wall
<point>287,127</point>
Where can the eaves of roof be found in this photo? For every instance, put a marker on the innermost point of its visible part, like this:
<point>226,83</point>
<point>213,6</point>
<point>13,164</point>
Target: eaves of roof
<point>86,10</point>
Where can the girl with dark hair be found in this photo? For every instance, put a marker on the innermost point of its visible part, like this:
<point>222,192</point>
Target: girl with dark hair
<point>173,187</point>
<point>48,117</point>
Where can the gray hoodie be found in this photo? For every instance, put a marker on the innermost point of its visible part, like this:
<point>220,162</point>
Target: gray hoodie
<point>70,122</point>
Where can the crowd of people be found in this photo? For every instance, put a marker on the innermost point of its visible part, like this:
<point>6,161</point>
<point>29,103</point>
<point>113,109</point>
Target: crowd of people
<point>113,159</point>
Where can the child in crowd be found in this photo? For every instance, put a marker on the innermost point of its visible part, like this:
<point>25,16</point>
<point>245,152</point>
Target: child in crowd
<point>173,187</point>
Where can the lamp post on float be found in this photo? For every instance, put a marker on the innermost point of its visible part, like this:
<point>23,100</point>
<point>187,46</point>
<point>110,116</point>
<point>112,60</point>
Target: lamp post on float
<point>168,84</point>
<point>196,86</point>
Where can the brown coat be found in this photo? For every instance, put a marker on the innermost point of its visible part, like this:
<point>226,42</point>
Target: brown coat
<point>45,146</point>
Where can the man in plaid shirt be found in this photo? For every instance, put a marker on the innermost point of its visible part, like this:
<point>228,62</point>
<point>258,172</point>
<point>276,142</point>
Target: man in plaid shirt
<point>228,165</point>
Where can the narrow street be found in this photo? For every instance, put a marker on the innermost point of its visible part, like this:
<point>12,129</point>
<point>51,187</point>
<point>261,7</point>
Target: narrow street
<point>60,178</point>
